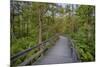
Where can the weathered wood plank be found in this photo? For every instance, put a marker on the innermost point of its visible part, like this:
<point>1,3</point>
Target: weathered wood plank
<point>62,52</point>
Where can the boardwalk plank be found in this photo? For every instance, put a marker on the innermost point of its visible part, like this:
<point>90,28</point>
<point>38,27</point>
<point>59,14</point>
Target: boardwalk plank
<point>61,52</point>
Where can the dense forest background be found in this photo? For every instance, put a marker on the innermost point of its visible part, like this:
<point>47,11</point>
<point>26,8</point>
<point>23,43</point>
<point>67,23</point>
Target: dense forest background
<point>35,22</point>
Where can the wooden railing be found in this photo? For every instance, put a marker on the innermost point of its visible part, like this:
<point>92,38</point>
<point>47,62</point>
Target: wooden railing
<point>38,49</point>
<point>74,51</point>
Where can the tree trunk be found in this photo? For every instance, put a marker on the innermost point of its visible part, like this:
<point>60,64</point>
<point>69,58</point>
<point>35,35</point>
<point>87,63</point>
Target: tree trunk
<point>40,28</point>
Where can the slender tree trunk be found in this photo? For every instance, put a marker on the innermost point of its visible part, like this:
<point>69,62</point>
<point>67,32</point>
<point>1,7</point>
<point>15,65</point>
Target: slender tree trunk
<point>53,18</point>
<point>40,31</point>
<point>19,27</point>
<point>12,28</point>
<point>27,26</point>
<point>72,18</point>
<point>40,28</point>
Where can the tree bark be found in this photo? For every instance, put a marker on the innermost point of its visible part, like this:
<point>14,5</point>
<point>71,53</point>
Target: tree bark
<point>40,28</point>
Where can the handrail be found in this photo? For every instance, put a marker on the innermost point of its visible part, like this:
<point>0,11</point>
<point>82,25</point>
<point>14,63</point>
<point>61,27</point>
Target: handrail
<point>75,53</point>
<point>74,49</point>
<point>31,58</point>
<point>29,49</point>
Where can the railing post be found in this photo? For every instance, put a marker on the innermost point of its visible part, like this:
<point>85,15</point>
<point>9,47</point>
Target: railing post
<point>42,48</point>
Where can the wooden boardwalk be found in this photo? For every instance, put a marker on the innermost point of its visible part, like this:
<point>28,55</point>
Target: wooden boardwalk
<point>61,52</point>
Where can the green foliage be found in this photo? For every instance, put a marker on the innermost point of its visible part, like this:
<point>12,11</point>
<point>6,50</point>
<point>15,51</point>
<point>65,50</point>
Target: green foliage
<point>85,36</point>
<point>32,23</point>
<point>22,44</point>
